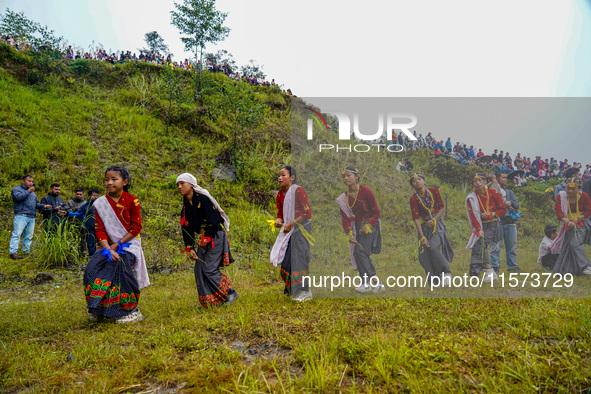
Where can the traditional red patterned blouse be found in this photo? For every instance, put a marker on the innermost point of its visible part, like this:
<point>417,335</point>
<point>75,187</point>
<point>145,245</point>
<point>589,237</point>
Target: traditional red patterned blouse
<point>128,213</point>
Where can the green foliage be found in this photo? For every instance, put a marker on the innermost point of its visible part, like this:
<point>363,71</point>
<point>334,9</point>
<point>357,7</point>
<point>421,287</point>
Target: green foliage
<point>222,56</point>
<point>201,22</point>
<point>27,32</point>
<point>59,248</point>
<point>237,103</point>
<point>172,88</point>
<point>448,170</point>
<point>155,42</point>
<point>253,69</point>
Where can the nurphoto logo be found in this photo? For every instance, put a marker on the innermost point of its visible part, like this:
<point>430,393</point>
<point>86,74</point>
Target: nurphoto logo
<point>387,126</point>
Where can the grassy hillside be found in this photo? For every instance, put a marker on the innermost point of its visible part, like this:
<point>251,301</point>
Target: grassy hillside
<point>89,115</point>
<point>67,121</point>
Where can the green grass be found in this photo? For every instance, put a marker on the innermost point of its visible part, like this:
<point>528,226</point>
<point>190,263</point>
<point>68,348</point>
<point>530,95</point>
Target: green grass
<point>266,342</point>
<point>88,115</point>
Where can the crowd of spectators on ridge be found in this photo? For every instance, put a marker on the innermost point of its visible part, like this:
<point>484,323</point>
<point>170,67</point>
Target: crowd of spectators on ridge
<point>520,167</point>
<point>154,58</point>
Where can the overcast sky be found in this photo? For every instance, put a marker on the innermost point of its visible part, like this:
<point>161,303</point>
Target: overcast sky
<point>395,48</point>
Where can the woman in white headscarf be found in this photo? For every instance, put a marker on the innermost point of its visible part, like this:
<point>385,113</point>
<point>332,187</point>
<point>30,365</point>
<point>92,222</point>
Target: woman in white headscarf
<point>204,224</point>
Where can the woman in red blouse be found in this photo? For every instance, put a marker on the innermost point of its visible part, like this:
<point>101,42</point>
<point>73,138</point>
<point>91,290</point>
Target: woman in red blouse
<point>292,247</point>
<point>484,207</point>
<point>116,273</point>
<point>435,251</point>
<point>573,209</point>
<point>360,217</point>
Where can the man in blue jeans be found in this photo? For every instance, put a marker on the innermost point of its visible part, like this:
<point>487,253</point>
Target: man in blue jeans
<point>509,230</point>
<point>25,205</point>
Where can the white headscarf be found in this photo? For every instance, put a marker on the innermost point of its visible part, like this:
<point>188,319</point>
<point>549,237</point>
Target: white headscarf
<point>186,177</point>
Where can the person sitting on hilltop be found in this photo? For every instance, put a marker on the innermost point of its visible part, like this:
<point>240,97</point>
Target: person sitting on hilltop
<point>408,165</point>
<point>518,161</point>
<point>480,153</point>
<point>494,165</point>
<point>545,258</point>
<point>448,145</point>
<point>400,167</point>
<point>429,141</point>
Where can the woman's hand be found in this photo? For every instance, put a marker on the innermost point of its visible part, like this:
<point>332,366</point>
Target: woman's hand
<point>114,246</point>
<point>115,255</point>
<point>287,228</point>
<point>481,234</point>
<point>193,254</point>
<point>425,242</point>
<point>366,229</point>
<point>278,222</point>
<point>352,239</point>
<point>429,223</point>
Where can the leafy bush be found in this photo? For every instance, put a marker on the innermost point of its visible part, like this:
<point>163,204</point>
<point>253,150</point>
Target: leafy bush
<point>448,170</point>
<point>60,248</point>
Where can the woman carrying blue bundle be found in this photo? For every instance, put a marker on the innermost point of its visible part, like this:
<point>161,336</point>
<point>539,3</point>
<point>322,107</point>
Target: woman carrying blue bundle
<point>113,278</point>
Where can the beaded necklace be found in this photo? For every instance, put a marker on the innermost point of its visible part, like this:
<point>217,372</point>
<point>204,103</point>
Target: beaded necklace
<point>486,208</point>
<point>354,201</point>
<point>429,204</point>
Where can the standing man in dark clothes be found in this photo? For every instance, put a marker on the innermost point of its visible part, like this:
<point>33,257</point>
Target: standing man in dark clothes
<point>75,203</point>
<point>88,221</point>
<point>25,204</point>
<point>53,215</point>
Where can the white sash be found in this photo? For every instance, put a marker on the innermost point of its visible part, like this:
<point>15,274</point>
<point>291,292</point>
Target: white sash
<point>280,246</point>
<point>116,231</point>
<point>475,206</point>
<point>343,204</point>
<point>557,243</point>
